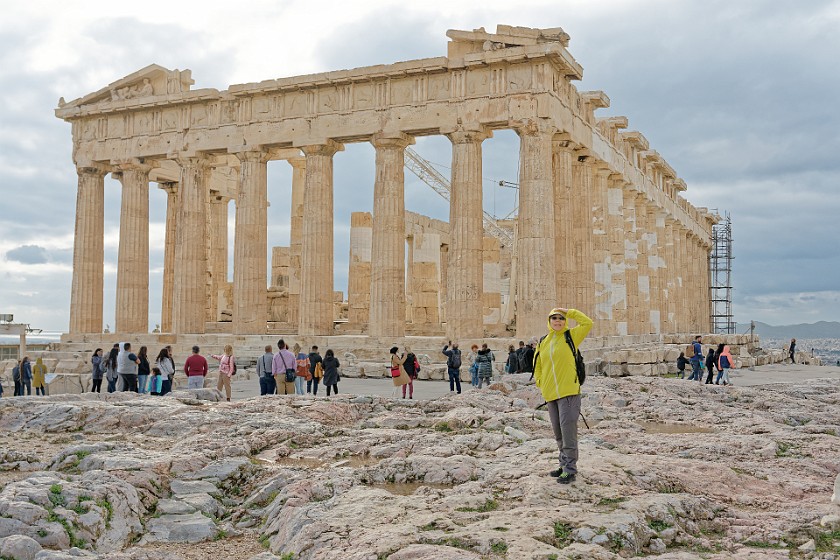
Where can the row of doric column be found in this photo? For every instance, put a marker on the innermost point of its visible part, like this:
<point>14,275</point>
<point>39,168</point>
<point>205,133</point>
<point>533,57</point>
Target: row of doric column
<point>586,238</point>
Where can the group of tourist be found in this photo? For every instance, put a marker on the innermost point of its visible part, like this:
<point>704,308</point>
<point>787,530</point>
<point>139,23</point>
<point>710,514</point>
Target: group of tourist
<point>126,371</point>
<point>719,360</point>
<point>294,372</point>
<point>25,377</point>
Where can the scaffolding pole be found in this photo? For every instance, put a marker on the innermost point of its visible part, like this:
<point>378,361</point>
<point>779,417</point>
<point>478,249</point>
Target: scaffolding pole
<point>720,270</point>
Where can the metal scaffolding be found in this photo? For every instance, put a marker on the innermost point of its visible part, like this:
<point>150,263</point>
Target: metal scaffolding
<point>720,271</point>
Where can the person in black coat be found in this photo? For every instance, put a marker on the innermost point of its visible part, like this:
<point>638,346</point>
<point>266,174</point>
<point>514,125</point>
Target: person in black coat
<point>711,360</point>
<point>331,377</point>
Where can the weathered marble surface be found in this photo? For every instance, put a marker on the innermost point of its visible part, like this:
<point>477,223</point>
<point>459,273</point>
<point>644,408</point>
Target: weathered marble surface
<point>669,469</point>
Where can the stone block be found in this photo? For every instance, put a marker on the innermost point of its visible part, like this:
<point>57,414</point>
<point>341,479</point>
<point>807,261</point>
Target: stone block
<point>641,357</point>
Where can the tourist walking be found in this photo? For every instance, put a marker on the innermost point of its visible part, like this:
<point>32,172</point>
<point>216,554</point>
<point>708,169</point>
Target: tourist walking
<point>227,369</point>
<point>97,371</point>
<point>302,373</point>
<point>453,366</point>
<point>512,362</point>
<point>710,365</point>
<point>26,376</point>
<point>16,379</point>
<point>195,367</point>
<point>681,363</point>
<point>111,369</point>
<point>331,374</point>
<point>412,368</point>
<point>284,370</point>
<point>473,366</point>
<point>316,371</point>
<point>143,370</point>
<point>695,355</point>
<point>717,363</point>
<point>127,363</point>
<point>166,366</point>
<point>792,350</point>
<point>264,372</point>
<point>725,362</point>
<point>555,372</point>
<point>39,377</point>
<point>484,364</point>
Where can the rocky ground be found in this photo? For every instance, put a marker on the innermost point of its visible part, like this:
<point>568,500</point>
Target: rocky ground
<point>669,469</point>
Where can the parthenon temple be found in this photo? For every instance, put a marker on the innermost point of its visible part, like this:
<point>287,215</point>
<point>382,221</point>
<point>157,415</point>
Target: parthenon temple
<point>601,226</point>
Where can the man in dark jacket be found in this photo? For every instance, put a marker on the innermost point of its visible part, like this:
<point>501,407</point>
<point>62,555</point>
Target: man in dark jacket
<point>453,366</point>
<point>526,362</point>
<point>314,360</point>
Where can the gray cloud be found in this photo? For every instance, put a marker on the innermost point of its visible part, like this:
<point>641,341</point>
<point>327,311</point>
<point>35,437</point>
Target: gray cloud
<point>28,254</point>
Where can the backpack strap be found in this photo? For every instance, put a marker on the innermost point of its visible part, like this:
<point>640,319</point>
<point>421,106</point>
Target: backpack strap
<point>570,342</point>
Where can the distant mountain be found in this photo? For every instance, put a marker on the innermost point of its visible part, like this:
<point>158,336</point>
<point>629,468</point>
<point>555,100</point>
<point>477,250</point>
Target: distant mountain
<point>820,329</point>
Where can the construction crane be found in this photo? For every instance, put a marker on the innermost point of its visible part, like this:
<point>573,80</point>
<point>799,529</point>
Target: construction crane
<point>440,184</point>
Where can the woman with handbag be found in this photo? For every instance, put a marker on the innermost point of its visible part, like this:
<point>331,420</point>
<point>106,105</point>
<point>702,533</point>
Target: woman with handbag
<point>227,368</point>
<point>398,374</point>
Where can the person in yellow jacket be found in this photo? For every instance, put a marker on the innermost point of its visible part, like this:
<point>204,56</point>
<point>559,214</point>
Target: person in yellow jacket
<point>39,373</point>
<point>556,377</point>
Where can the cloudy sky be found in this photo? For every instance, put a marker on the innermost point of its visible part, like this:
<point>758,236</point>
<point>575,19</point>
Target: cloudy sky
<point>739,97</point>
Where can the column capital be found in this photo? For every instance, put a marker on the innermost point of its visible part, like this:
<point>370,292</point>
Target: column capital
<point>328,148</point>
<point>467,134</point>
<point>251,154</point>
<point>191,159</point>
<point>398,140</point>
<point>93,168</point>
<point>533,127</point>
<point>298,162</point>
<point>170,187</point>
<point>132,164</point>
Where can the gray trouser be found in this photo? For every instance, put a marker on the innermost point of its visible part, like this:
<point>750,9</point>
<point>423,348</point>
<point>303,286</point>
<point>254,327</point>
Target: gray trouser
<point>195,382</point>
<point>564,418</point>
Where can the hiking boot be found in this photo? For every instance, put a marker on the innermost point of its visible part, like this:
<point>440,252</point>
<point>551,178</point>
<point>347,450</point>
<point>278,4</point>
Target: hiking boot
<point>556,472</point>
<point>566,478</point>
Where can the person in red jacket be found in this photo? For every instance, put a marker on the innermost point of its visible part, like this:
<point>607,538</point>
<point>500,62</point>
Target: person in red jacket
<point>196,369</point>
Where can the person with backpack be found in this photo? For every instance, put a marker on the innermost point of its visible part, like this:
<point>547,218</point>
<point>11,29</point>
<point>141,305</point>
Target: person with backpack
<point>556,375</point>
<point>526,362</point>
<point>694,352</point>
<point>412,368</point>
<point>316,371</point>
<point>682,361</point>
<point>710,365</point>
<point>520,357</point>
<point>268,385</point>
<point>725,362</point>
<point>453,366</point>
<point>16,379</point>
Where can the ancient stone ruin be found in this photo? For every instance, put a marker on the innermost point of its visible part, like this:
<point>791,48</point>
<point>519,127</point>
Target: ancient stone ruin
<point>600,213</point>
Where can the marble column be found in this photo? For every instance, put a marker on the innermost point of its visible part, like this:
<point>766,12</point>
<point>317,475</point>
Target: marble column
<point>643,262</point>
<point>537,283</point>
<point>669,280</point>
<point>387,266</point>
<point>167,303</point>
<point>617,265</point>
<point>132,307</point>
<point>358,280</point>
<point>465,281</point>
<point>564,221</point>
<point>250,250</point>
<point>704,320</point>
<point>88,252</point>
<point>656,233</point>
<point>296,235</point>
<point>316,289</point>
<point>191,248</point>
<point>582,207</point>
<point>217,234</point>
<point>631,261</point>
<point>601,252</point>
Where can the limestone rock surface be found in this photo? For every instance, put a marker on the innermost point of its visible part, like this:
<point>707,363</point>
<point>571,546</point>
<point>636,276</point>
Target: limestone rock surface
<point>668,469</point>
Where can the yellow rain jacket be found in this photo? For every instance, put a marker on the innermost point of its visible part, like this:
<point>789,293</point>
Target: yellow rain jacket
<point>38,373</point>
<point>554,365</point>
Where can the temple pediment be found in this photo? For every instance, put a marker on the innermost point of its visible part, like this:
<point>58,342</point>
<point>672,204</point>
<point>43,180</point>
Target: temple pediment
<point>151,81</point>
